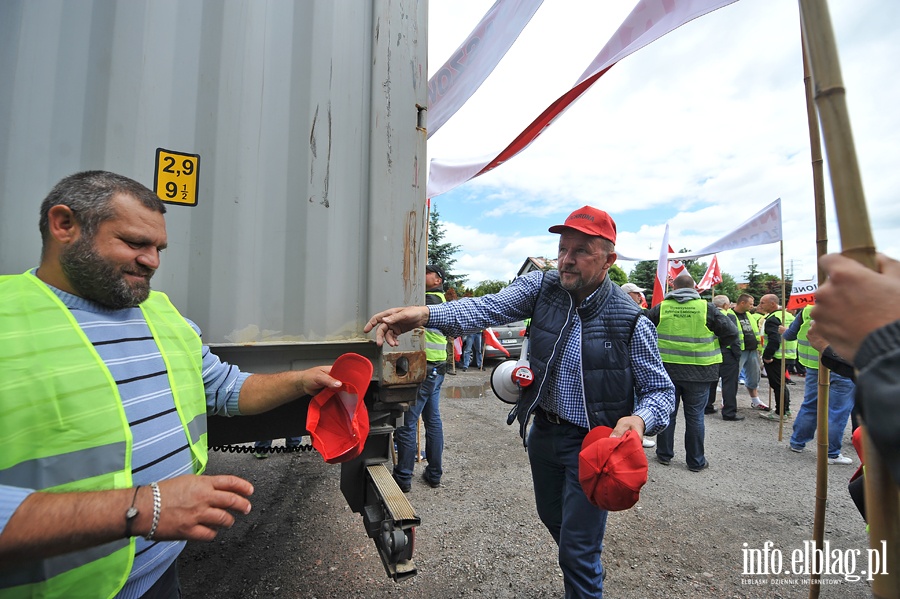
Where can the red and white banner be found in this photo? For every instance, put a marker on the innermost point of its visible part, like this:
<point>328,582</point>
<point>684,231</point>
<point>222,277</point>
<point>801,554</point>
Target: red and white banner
<point>659,285</point>
<point>491,339</point>
<point>457,348</point>
<point>712,277</point>
<point>455,82</point>
<point>803,293</point>
<point>676,267</point>
<point>648,21</point>
<point>761,228</point>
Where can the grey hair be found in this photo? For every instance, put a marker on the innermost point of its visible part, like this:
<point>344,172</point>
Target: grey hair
<point>721,300</point>
<point>88,195</point>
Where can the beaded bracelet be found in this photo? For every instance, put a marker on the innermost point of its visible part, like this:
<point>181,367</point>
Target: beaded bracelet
<point>157,508</point>
<point>131,513</point>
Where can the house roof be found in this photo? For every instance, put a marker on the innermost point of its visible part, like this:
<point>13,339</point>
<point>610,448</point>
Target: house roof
<point>536,263</point>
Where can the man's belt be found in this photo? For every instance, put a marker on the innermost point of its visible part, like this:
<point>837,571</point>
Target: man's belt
<point>553,418</point>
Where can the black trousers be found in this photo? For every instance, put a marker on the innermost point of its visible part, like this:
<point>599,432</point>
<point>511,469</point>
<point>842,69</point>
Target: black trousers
<point>773,374</point>
<point>729,372</point>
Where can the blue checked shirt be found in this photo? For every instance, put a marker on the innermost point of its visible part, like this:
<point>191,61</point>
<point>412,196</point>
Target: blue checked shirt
<point>655,394</point>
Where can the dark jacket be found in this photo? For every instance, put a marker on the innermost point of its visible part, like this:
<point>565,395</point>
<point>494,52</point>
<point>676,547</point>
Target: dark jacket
<point>773,337</point>
<point>607,320</point>
<point>877,388</point>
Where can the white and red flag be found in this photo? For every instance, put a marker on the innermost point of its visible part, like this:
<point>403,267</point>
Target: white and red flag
<point>712,277</point>
<point>491,339</point>
<point>676,267</point>
<point>659,285</point>
<point>457,348</point>
<point>648,21</point>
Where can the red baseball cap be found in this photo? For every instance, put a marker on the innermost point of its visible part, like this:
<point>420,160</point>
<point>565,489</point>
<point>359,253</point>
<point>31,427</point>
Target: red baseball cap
<point>612,470</point>
<point>337,419</point>
<point>591,221</point>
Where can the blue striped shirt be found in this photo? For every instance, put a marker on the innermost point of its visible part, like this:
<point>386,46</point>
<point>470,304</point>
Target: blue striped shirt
<point>161,451</point>
<point>655,394</point>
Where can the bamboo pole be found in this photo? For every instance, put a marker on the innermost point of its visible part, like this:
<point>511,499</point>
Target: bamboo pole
<point>881,494</point>
<point>824,376</point>
<point>783,353</point>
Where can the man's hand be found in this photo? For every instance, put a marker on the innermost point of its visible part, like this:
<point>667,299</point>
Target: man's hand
<point>626,423</point>
<point>392,323</point>
<point>855,301</point>
<point>317,378</point>
<point>263,392</point>
<point>195,508</point>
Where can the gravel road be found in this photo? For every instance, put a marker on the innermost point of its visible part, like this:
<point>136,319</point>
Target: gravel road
<point>480,536</point>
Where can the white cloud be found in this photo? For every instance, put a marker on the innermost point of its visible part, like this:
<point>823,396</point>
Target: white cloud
<point>708,123</point>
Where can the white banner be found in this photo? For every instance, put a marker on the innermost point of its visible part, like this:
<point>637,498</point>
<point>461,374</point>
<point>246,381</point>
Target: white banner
<point>648,21</point>
<point>455,82</point>
<point>762,228</point>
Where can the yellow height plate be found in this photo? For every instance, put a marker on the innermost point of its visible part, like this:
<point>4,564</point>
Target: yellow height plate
<point>177,177</point>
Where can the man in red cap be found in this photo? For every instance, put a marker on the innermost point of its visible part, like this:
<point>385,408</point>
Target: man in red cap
<point>595,362</point>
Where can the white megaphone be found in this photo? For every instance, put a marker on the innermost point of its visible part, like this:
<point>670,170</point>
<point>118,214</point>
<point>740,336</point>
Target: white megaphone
<point>510,376</point>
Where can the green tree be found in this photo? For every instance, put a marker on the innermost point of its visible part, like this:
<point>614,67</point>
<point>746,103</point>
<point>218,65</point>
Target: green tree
<point>441,253</point>
<point>643,274</point>
<point>617,275</point>
<point>728,287</point>
<point>761,283</point>
<point>488,287</point>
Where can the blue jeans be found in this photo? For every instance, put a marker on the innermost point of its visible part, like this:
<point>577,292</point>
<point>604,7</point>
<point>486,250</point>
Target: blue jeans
<point>840,403</point>
<point>429,408</point>
<point>575,523</point>
<point>289,441</point>
<point>471,344</point>
<point>750,368</point>
<point>693,396</point>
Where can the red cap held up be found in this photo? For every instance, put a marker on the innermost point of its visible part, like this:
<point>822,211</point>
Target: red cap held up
<point>612,470</point>
<point>337,419</point>
<point>591,221</point>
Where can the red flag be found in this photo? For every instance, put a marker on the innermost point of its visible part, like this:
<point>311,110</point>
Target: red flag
<point>659,285</point>
<point>457,348</point>
<point>491,339</point>
<point>712,277</point>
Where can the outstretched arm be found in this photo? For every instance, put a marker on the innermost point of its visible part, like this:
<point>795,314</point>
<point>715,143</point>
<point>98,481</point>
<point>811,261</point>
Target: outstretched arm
<point>194,508</point>
<point>264,392</point>
<point>392,323</point>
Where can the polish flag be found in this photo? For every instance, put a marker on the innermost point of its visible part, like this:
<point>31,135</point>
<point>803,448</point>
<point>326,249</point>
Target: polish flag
<point>457,348</point>
<point>659,285</point>
<point>712,277</point>
<point>491,339</point>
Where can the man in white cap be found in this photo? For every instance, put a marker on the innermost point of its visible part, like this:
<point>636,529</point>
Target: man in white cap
<point>596,362</point>
<point>635,292</point>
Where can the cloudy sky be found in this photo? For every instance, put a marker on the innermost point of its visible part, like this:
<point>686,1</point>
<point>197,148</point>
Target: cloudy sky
<point>701,129</point>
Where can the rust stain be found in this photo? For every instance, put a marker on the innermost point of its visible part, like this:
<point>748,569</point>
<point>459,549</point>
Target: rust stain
<point>410,251</point>
<point>413,371</point>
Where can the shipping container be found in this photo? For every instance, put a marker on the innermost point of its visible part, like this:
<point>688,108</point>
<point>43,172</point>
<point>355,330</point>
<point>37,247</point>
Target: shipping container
<point>288,138</point>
